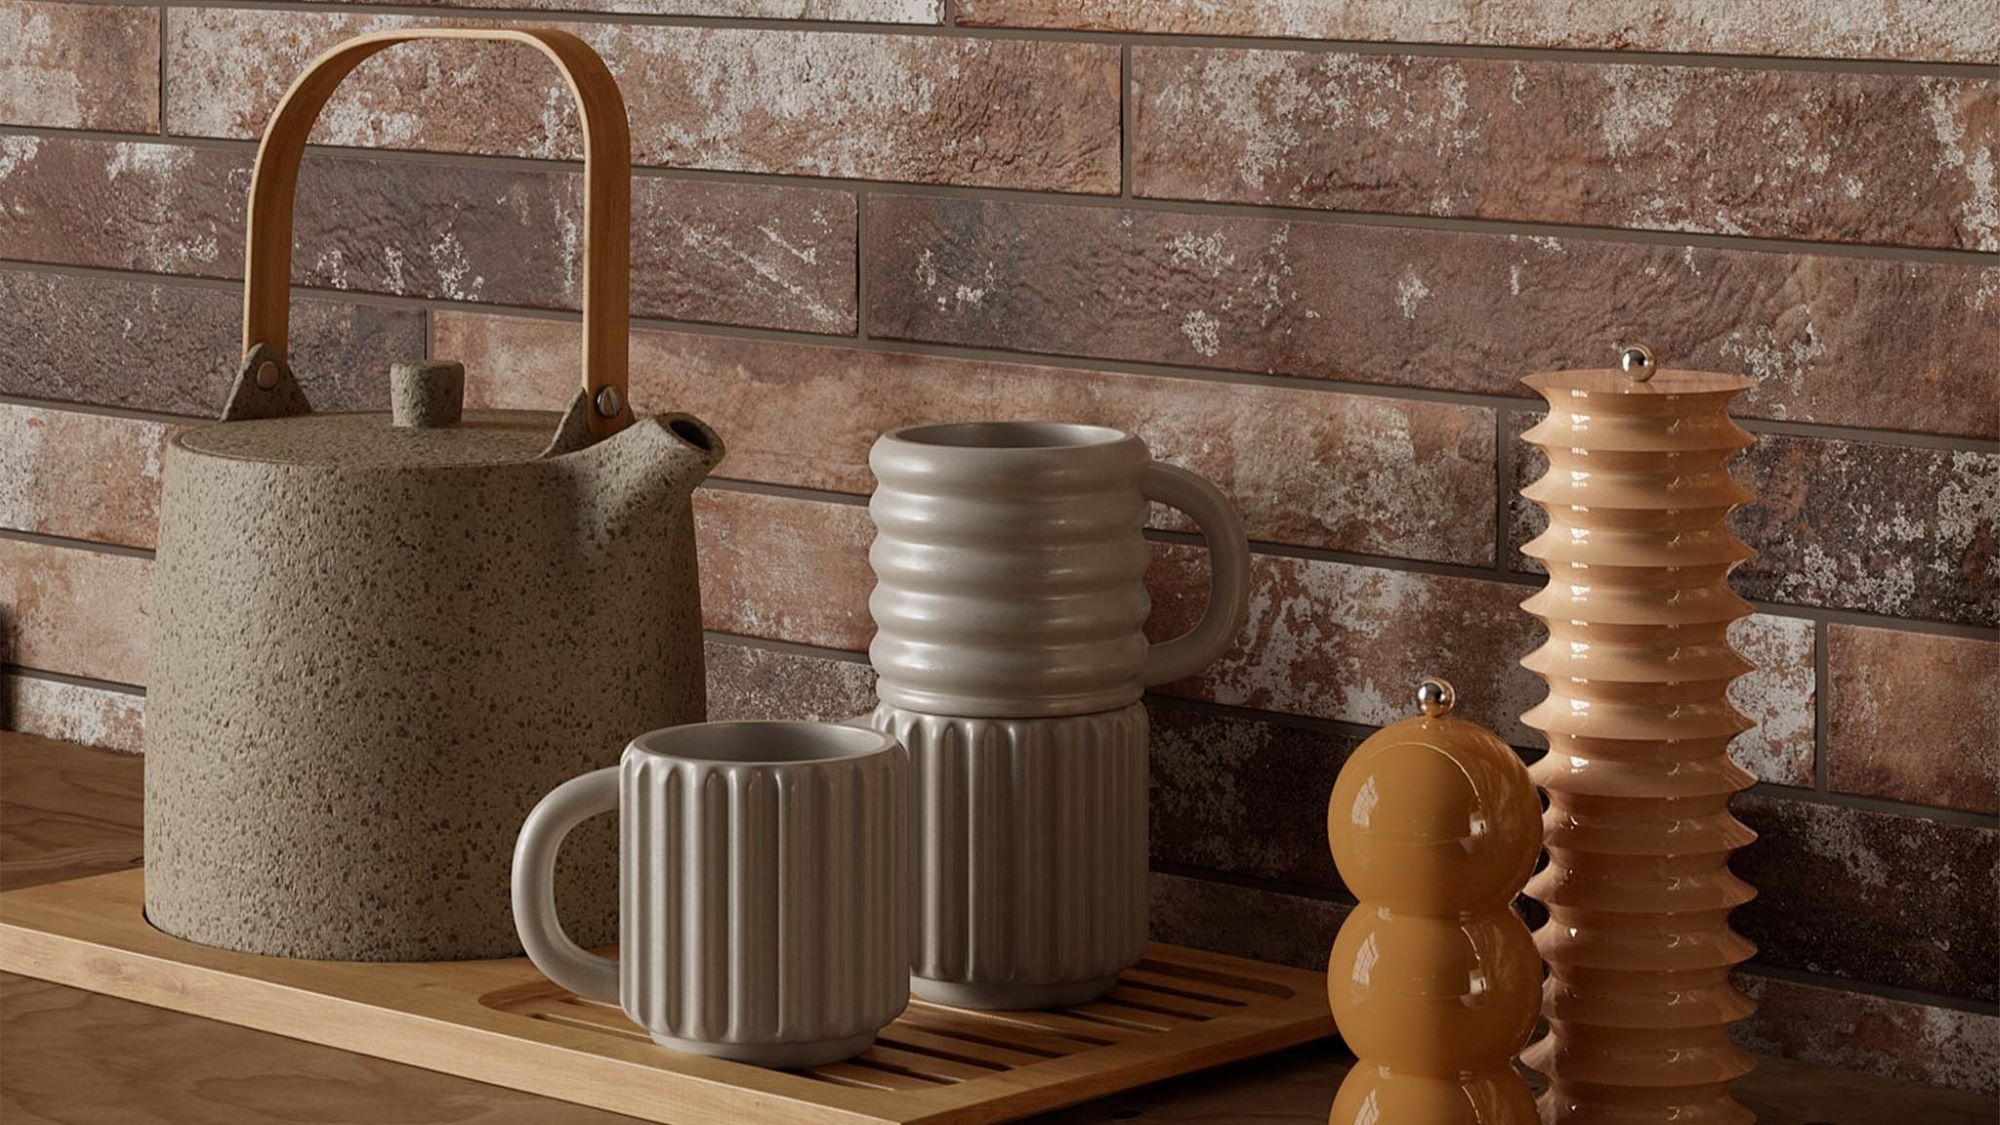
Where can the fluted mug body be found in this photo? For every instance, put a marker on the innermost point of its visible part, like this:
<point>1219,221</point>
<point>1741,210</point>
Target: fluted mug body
<point>1010,564</point>
<point>766,888</point>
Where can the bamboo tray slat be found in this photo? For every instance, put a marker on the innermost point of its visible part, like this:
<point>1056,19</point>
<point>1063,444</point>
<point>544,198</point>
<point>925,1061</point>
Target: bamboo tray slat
<point>1176,1012</point>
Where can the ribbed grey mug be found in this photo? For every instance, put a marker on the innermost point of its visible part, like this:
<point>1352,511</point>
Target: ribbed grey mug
<point>1010,605</point>
<point>766,888</point>
<point>1010,569</point>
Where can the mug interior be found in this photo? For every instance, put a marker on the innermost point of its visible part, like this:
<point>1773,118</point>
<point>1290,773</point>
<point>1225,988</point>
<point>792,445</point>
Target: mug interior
<point>1009,435</point>
<point>763,742</point>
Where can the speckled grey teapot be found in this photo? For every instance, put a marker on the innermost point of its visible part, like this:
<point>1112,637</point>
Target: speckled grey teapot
<point>379,638</point>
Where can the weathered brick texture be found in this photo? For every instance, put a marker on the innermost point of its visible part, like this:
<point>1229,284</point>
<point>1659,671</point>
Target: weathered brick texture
<point>1773,153</point>
<point>767,256</point>
<point>175,347</point>
<point>1921,1043</point>
<point>80,66</point>
<point>74,611</point>
<point>1902,531</point>
<point>863,11</point>
<point>1913,717</point>
<point>1835,340</point>
<point>1937,30</point>
<point>1869,896</point>
<point>67,712</point>
<point>81,476</point>
<point>988,112</point>
<point>1314,469</point>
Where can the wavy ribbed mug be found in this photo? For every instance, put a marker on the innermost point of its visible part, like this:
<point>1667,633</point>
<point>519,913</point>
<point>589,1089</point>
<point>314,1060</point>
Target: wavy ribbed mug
<point>766,888</point>
<point>1010,566</point>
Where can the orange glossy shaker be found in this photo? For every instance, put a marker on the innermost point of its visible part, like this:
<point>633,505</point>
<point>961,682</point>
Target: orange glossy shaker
<point>1434,980</point>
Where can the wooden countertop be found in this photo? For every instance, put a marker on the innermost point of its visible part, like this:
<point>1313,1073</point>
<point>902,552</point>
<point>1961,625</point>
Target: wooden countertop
<point>83,1059</point>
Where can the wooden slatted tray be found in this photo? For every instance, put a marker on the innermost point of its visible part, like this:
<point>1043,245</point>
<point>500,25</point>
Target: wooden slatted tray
<point>1176,1012</point>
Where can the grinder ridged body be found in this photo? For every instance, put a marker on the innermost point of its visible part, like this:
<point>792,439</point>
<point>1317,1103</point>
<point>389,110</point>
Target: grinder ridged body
<point>1638,777</point>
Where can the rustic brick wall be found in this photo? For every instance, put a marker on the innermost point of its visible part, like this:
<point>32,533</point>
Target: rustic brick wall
<point>1306,247</point>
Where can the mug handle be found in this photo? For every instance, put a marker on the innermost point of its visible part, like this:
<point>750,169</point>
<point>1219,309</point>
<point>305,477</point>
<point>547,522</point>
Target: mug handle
<point>560,959</point>
<point>1228,574</point>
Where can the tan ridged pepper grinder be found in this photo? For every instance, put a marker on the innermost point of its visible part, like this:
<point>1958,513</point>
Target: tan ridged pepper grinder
<point>1434,981</point>
<point>1638,774</point>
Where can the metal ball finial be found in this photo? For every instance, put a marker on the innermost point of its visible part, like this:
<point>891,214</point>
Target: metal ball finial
<point>1435,697</point>
<point>1637,362</point>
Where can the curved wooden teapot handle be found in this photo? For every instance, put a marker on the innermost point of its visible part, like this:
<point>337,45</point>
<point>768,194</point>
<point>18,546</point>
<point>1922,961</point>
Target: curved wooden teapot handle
<point>607,204</point>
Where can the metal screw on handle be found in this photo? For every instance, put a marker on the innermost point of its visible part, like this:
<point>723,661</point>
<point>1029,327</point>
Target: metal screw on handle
<point>1637,362</point>
<point>610,403</point>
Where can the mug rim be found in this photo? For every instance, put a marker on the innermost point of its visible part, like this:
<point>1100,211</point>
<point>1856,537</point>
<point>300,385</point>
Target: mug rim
<point>824,743</point>
<point>1044,435</point>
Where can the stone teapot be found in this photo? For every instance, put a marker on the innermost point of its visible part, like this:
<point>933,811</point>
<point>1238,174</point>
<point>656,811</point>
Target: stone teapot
<point>379,638</point>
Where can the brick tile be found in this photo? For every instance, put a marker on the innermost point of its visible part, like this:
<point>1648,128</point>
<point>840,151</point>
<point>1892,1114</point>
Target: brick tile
<point>80,476</point>
<point>1835,340</point>
<point>764,256</point>
<point>1243,796</point>
<point>123,205</point>
<point>80,66</point>
<point>1350,643</point>
<point>1913,717</point>
<point>1777,695</point>
<point>1263,925</point>
<point>1876,1035</point>
<point>112,720</point>
<point>1316,469</point>
<point>862,11</point>
<point>1867,896</point>
<point>1941,31</point>
<point>74,611</point>
<point>752,682</point>
<point>931,109</point>
<point>175,348</point>
<point>1838,157</point>
<point>1894,530</point>
<point>1901,531</point>
<point>785,569</point>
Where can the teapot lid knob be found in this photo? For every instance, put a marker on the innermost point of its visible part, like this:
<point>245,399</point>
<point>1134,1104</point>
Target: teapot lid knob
<point>426,393</point>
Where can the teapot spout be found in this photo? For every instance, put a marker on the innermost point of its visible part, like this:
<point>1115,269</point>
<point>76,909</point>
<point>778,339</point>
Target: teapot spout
<point>652,465</point>
<point>678,450</point>
<point>692,452</point>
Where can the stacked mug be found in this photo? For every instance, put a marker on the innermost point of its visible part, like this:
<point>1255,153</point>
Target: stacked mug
<point>979,840</point>
<point>1009,605</point>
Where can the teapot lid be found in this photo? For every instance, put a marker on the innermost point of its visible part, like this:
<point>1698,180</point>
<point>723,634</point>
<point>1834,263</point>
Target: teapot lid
<point>426,427</point>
